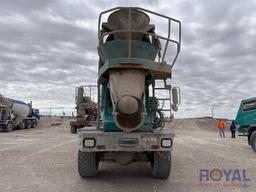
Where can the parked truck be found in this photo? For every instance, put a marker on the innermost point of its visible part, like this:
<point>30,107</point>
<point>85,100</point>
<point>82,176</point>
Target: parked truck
<point>132,71</point>
<point>16,114</point>
<point>86,108</point>
<point>246,120</point>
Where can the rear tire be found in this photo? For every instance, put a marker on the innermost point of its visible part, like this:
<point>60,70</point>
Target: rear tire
<point>73,129</point>
<point>253,141</point>
<point>161,164</point>
<point>22,125</point>
<point>28,124</point>
<point>8,127</point>
<point>88,164</point>
<point>33,123</point>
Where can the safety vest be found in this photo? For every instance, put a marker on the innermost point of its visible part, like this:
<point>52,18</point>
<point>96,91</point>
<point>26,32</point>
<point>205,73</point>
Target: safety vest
<point>221,124</point>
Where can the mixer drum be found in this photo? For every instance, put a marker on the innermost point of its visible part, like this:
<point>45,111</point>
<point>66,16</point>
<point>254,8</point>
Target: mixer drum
<point>19,108</point>
<point>127,95</point>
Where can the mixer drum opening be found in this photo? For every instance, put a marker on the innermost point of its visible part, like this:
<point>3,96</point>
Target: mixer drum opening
<point>128,122</point>
<point>127,92</point>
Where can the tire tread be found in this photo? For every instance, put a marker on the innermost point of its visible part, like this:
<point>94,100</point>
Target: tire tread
<point>161,166</point>
<point>253,136</point>
<point>73,129</point>
<point>87,165</point>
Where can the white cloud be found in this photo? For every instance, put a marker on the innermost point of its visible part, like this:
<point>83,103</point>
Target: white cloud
<point>48,47</point>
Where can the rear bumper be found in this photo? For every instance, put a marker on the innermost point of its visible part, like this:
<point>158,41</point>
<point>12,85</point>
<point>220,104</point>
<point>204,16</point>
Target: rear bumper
<point>158,140</point>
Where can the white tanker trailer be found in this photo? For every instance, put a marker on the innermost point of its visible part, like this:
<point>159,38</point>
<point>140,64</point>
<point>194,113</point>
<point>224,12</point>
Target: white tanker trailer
<point>16,114</point>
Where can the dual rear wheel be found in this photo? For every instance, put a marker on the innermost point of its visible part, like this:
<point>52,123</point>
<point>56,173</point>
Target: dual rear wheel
<point>22,125</point>
<point>88,164</point>
<point>30,123</point>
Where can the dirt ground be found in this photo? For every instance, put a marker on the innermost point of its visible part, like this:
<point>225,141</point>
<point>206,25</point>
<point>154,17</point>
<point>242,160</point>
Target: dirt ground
<point>45,159</point>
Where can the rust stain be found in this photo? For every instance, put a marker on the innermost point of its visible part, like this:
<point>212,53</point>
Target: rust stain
<point>155,147</point>
<point>101,146</point>
<point>130,65</point>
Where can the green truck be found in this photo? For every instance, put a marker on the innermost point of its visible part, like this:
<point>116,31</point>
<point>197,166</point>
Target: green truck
<point>132,74</point>
<point>246,120</point>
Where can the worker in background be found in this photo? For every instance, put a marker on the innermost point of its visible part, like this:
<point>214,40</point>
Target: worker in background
<point>221,127</point>
<point>233,129</point>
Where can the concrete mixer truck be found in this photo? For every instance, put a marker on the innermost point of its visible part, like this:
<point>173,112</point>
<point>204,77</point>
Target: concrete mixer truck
<point>16,114</point>
<point>86,108</point>
<point>133,83</point>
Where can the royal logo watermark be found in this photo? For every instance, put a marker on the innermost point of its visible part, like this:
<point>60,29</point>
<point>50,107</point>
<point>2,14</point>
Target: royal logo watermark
<point>224,178</point>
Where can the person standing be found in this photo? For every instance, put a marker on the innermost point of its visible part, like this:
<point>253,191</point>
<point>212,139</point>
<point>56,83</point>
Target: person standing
<point>221,127</point>
<point>233,129</point>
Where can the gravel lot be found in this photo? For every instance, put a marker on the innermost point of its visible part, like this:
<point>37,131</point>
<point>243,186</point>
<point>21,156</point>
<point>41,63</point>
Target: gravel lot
<point>45,159</point>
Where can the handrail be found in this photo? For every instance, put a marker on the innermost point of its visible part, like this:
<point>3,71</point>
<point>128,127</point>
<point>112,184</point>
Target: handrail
<point>147,33</point>
<point>170,20</point>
